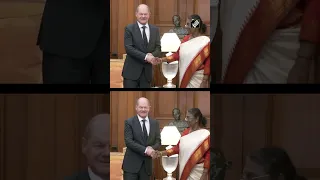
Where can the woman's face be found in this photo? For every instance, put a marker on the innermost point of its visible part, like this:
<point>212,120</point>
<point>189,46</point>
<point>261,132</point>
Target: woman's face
<point>188,26</point>
<point>191,120</point>
<point>254,171</point>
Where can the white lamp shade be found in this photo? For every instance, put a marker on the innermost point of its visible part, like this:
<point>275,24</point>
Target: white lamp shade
<point>170,135</point>
<point>170,42</point>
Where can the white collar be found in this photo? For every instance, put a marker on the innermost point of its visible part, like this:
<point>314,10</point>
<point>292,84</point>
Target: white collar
<point>92,175</point>
<point>140,118</point>
<point>140,25</point>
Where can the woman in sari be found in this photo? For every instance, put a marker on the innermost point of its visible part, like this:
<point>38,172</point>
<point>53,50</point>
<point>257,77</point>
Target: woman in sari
<point>267,41</point>
<point>193,148</point>
<point>193,55</point>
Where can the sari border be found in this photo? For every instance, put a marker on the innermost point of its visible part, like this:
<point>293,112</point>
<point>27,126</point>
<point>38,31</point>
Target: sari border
<point>195,64</point>
<point>240,56</point>
<point>195,157</point>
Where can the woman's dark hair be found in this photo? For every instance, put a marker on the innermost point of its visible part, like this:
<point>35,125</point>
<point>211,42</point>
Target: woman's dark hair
<point>197,114</point>
<point>203,27</point>
<point>276,162</point>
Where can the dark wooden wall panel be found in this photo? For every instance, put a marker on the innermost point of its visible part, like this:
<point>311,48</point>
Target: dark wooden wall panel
<point>248,122</point>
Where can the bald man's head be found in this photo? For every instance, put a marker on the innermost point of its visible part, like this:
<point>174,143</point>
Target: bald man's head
<point>142,100</point>
<point>143,7</point>
<point>96,145</point>
<point>143,14</point>
<point>98,122</point>
<point>143,107</point>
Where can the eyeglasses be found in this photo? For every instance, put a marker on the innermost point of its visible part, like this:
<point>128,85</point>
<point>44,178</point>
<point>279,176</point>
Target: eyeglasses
<point>245,177</point>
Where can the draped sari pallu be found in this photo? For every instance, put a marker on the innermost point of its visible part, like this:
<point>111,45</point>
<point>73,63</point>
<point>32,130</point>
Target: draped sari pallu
<point>192,148</point>
<point>254,34</point>
<point>192,55</point>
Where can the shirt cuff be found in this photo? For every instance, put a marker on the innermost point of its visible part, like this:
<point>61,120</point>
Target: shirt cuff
<point>145,58</point>
<point>145,151</point>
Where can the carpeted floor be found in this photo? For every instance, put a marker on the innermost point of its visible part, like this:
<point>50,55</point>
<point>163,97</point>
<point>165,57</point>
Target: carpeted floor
<point>115,73</point>
<point>115,166</point>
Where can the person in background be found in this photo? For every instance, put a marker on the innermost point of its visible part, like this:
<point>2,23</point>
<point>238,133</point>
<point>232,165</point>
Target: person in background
<point>96,148</point>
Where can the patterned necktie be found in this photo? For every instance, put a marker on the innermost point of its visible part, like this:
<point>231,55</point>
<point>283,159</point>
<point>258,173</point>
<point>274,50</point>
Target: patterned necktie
<point>144,36</point>
<point>145,133</point>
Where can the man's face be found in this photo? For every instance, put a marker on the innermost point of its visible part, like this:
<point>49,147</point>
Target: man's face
<point>143,108</point>
<point>97,150</point>
<point>143,15</point>
<point>176,114</point>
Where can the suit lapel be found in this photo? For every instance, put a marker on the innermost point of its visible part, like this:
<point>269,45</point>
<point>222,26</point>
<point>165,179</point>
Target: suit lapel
<point>138,126</point>
<point>138,33</point>
<point>152,35</point>
<point>83,176</point>
<point>151,132</point>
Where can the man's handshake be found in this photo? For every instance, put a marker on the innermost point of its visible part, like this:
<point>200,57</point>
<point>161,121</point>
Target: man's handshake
<point>153,60</point>
<point>153,153</point>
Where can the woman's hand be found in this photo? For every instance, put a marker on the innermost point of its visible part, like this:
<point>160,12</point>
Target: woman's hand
<point>204,176</point>
<point>205,82</point>
<point>299,73</point>
<point>301,69</point>
<point>164,59</point>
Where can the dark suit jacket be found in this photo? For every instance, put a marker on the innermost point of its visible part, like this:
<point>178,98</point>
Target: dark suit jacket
<point>79,176</point>
<point>133,136</point>
<point>136,52</point>
<point>72,28</point>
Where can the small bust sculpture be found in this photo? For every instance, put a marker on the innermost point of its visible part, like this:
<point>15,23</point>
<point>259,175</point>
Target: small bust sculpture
<point>180,31</point>
<point>180,124</point>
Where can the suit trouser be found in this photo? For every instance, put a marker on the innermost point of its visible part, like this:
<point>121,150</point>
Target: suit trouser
<point>141,175</point>
<point>93,69</point>
<point>142,82</point>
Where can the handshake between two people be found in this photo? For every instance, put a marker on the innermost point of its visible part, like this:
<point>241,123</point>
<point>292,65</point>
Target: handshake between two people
<point>153,60</point>
<point>153,153</point>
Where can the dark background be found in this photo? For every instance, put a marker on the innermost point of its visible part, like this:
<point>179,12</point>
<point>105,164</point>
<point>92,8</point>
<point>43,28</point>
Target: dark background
<point>40,134</point>
<point>242,123</point>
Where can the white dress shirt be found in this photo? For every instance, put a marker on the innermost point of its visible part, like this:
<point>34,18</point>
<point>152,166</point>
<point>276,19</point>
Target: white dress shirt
<point>92,175</point>
<point>147,123</point>
<point>147,33</point>
<point>147,30</point>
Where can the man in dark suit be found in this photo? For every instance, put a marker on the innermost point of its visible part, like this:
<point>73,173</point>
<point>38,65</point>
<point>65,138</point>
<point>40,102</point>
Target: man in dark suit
<point>74,40</point>
<point>142,138</point>
<point>96,148</point>
<point>142,44</point>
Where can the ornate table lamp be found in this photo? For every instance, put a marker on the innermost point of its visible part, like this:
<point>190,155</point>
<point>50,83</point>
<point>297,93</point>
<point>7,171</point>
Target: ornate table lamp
<point>170,42</point>
<point>170,136</point>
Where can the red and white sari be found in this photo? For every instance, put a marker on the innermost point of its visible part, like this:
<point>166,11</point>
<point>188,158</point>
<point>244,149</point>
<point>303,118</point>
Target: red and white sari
<point>194,61</point>
<point>194,154</point>
<point>261,38</point>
